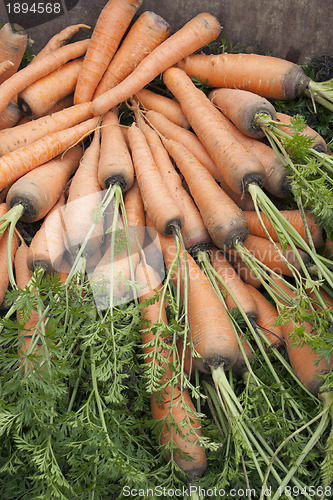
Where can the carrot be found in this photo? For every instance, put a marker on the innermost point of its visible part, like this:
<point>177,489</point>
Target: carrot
<point>13,42</point>
<point>37,191</point>
<point>238,167</point>
<point>197,33</point>
<point>148,31</point>
<point>234,282</point>
<point>58,40</point>
<point>153,190</point>
<point>4,276</point>
<point>31,73</point>
<point>84,197</point>
<point>241,107</point>
<point>227,226</point>
<point>4,66</point>
<point>295,219</point>
<point>46,249</point>
<point>318,142</point>
<point>40,97</point>
<point>110,27</point>
<point>115,163</point>
<point>194,233</point>
<point>10,116</point>
<point>27,133</point>
<point>171,406</point>
<point>263,250</point>
<point>14,165</point>
<point>164,105</point>
<point>266,76</point>
<point>66,102</point>
<point>247,275</point>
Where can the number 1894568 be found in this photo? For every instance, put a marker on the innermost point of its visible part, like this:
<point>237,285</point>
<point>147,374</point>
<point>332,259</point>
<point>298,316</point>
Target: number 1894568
<point>34,8</point>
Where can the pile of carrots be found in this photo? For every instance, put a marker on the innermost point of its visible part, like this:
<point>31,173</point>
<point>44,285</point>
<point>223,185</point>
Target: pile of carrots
<point>190,180</point>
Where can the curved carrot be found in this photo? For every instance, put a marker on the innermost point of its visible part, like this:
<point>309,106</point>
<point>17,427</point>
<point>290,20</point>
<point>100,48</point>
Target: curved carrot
<point>318,142</point>
<point>227,226</point>
<point>148,31</point>
<point>197,33</point>
<point>153,190</point>
<point>110,27</point>
<point>40,97</point>
<point>27,133</point>
<point>164,105</point>
<point>31,73</point>
<point>14,165</point>
<point>238,167</point>
<point>13,42</point>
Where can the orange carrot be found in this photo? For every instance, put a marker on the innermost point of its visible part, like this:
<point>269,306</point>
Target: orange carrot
<point>110,27</point>
<point>14,165</point>
<point>164,105</point>
<point>40,97</point>
<point>5,66</point>
<point>13,42</point>
<point>31,73</point>
<point>264,75</point>
<point>153,190</point>
<point>39,190</point>
<point>227,226</point>
<point>27,133</point>
<point>115,163</point>
<point>194,233</point>
<point>10,116</point>
<point>237,166</point>
<point>295,219</point>
<point>58,40</point>
<point>197,33</point>
<point>318,142</point>
<point>148,31</point>
<point>84,196</point>
<point>234,282</point>
<point>66,102</point>
<point>247,275</point>
<point>46,249</point>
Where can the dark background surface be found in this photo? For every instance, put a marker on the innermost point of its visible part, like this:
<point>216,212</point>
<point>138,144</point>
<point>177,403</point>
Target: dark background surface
<point>297,30</point>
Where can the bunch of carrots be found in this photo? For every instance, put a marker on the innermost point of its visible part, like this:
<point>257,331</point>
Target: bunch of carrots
<point>181,210</point>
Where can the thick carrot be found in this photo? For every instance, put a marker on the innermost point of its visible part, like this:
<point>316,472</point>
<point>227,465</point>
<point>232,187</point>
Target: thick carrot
<point>39,190</point>
<point>241,107</point>
<point>177,427</point>
<point>10,116</point>
<point>148,31</point>
<point>318,142</point>
<point>226,226</point>
<point>31,73</point>
<point>153,190</point>
<point>110,27</point>
<point>295,219</point>
<point>197,33</point>
<point>13,42</point>
<point>164,105</point>
<point>58,40</point>
<point>84,197</point>
<point>27,133</point>
<point>47,247</point>
<point>237,166</point>
<point>115,163</point>
<point>228,274</point>
<point>14,165</point>
<point>194,232</point>
<point>40,97</point>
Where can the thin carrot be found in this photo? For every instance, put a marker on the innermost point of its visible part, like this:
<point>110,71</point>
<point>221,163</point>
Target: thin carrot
<point>58,40</point>
<point>110,27</point>
<point>148,31</point>
<point>10,116</point>
<point>40,97</point>
<point>4,276</point>
<point>295,219</point>
<point>31,73</point>
<point>318,142</point>
<point>164,105</point>
<point>153,190</point>
<point>13,42</point>
<point>197,33</point>
<point>237,166</point>
<point>14,165</point>
<point>27,133</point>
<point>194,233</point>
<point>227,226</point>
